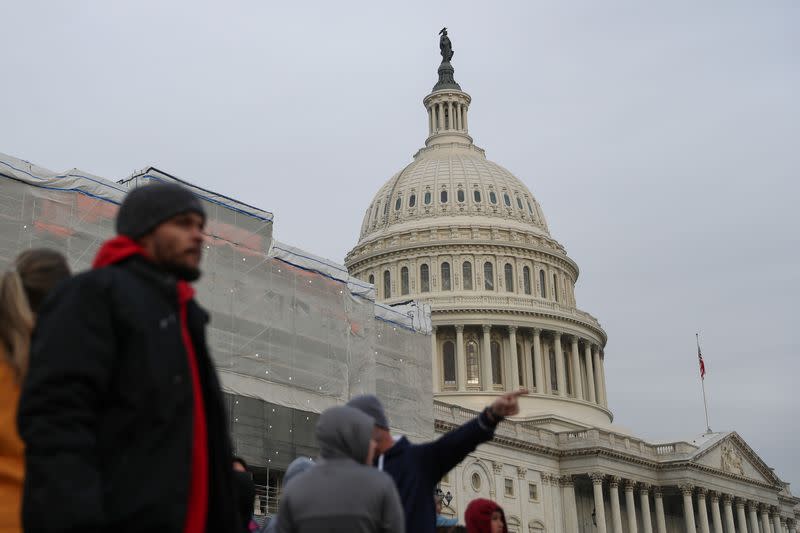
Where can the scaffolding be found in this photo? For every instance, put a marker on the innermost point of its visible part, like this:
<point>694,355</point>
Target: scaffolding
<point>287,329</point>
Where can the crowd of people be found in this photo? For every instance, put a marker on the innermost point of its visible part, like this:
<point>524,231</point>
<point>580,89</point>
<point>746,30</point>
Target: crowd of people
<point>111,413</point>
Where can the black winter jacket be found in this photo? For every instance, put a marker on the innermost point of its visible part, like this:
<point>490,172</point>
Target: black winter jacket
<point>106,409</point>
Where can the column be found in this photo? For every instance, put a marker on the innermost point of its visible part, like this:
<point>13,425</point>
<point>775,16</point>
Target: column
<point>599,506</point>
<point>512,338</point>
<point>661,522</point>
<point>630,506</point>
<point>562,386</point>
<point>461,359</point>
<point>577,382</point>
<point>548,384</point>
<point>616,514</point>
<point>597,376</point>
<point>740,516</point>
<point>458,115</point>
<point>440,108</point>
<point>752,509</point>
<point>776,520</point>
<point>716,517</point>
<point>587,354</point>
<point>430,121</point>
<point>570,504</point>
<point>526,356</point>
<point>702,510</point>
<point>486,359</point>
<point>537,361</point>
<point>466,127</point>
<point>688,508</point>
<point>764,518</point>
<point>644,500</point>
<point>450,115</point>
<point>601,358</point>
<point>435,354</point>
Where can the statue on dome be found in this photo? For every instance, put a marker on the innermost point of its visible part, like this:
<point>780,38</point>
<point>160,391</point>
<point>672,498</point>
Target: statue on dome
<point>445,46</point>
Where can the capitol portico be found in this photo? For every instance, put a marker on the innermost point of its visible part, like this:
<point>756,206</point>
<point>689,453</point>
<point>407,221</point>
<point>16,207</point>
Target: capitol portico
<point>465,235</point>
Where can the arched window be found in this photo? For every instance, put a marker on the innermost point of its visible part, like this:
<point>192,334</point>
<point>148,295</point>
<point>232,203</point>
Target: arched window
<point>427,198</point>
<point>497,364</point>
<point>372,279</point>
<point>404,280</point>
<point>387,284</point>
<point>555,287</point>
<point>476,195</point>
<point>520,364</point>
<point>508,271</point>
<point>542,286</point>
<point>492,197</point>
<point>531,360</point>
<point>412,200</point>
<point>398,203</point>
<point>488,276</point>
<point>519,203</point>
<point>466,275</point>
<point>424,278</point>
<point>507,199</point>
<point>526,279</point>
<point>386,207</point>
<point>446,286</point>
<point>530,209</point>
<point>473,365</point>
<point>443,197</point>
<point>449,362</point>
<point>460,195</point>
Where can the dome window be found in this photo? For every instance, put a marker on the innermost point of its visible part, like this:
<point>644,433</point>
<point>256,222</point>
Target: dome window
<point>372,279</point>
<point>492,197</point>
<point>542,286</point>
<point>404,281</point>
<point>387,284</point>
<point>466,275</point>
<point>427,198</point>
<point>555,287</point>
<point>530,208</point>
<point>526,279</point>
<point>508,271</point>
<point>460,195</point>
<point>412,200</point>
<point>443,197</point>
<point>473,364</point>
<point>519,203</point>
<point>424,278</point>
<point>398,203</point>
<point>488,276</point>
<point>507,199</point>
<point>449,362</point>
<point>446,285</point>
<point>386,207</point>
<point>497,364</point>
<point>476,195</point>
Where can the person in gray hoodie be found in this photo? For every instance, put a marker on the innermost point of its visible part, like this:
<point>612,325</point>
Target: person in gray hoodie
<point>342,493</point>
<point>296,467</point>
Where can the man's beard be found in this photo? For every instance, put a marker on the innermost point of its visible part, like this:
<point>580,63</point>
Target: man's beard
<point>183,272</point>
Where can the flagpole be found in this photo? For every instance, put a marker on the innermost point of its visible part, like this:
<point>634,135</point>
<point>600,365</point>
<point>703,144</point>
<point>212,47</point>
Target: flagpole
<point>703,385</point>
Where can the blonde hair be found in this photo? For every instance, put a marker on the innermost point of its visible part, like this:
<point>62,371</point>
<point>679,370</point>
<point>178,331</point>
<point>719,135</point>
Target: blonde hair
<point>23,288</point>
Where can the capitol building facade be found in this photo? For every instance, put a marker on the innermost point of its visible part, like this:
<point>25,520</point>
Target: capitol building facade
<point>463,234</point>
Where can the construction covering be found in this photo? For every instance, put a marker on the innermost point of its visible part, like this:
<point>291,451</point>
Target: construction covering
<point>287,327</point>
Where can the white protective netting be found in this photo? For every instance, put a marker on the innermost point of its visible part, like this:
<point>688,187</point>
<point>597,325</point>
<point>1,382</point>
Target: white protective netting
<point>287,327</point>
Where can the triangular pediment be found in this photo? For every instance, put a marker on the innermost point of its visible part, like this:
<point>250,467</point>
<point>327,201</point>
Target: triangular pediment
<point>730,454</point>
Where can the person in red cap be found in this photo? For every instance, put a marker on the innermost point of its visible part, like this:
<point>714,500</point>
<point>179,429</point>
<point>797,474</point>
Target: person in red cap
<point>121,411</point>
<point>485,516</point>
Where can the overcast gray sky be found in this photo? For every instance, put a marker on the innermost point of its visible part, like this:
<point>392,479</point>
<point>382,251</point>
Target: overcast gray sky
<point>661,140</point>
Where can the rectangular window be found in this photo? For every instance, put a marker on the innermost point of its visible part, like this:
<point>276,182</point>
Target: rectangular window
<point>509,487</point>
<point>533,492</point>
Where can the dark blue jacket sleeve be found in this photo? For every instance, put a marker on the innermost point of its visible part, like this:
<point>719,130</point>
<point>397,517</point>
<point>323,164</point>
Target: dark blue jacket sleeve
<point>443,454</point>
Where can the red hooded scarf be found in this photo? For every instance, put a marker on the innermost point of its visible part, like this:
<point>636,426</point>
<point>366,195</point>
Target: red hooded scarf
<point>478,516</point>
<point>114,251</point>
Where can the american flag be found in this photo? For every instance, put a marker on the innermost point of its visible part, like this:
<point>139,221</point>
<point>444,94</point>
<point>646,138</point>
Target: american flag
<point>702,364</point>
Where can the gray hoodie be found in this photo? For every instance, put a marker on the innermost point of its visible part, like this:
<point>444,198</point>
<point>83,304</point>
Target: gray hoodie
<point>341,494</point>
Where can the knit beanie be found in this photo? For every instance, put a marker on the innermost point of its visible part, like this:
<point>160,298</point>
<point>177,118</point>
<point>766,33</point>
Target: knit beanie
<point>145,207</point>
